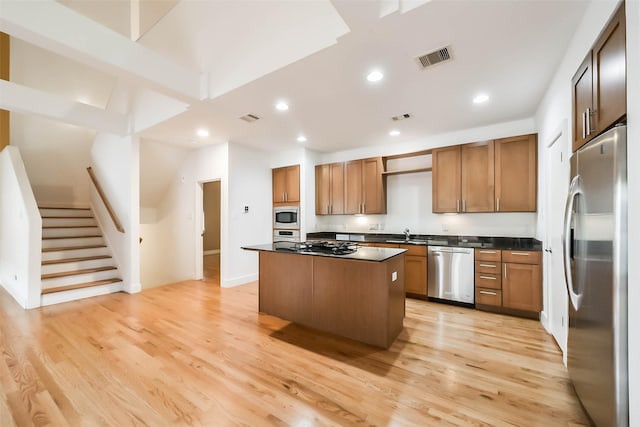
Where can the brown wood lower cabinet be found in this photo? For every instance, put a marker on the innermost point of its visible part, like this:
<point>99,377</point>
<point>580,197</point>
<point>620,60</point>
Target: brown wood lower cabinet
<point>415,268</point>
<point>521,287</point>
<point>361,300</point>
<point>508,281</point>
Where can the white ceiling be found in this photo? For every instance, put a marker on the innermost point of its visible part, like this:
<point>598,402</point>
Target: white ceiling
<point>508,49</point>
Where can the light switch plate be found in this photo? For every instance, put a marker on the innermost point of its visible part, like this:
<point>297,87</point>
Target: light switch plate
<point>394,276</point>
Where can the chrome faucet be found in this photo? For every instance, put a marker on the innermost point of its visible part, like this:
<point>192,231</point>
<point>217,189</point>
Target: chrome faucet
<point>406,234</point>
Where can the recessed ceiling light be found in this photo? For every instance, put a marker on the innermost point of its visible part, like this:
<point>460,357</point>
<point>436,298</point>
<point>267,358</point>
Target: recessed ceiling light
<point>394,133</point>
<point>375,76</point>
<point>302,138</point>
<point>479,99</point>
<point>203,133</point>
<point>282,106</point>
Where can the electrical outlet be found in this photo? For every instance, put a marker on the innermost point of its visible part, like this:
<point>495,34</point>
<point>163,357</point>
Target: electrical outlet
<point>394,276</point>
<point>445,227</point>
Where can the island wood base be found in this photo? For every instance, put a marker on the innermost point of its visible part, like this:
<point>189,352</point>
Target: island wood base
<point>351,298</point>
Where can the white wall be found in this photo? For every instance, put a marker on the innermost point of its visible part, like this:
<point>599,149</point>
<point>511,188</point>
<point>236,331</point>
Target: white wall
<point>115,162</point>
<point>249,185</point>
<point>633,160</point>
<point>409,195</point>
<point>56,156</point>
<point>21,231</point>
<point>171,232</point>
<point>159,163</point>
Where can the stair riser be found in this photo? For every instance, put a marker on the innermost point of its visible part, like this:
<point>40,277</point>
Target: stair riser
<point>65,212</point>
<point>68,222</point>
<point>60,243</point>
<point>79,278</point>
<point>78,265</point>
<point>77,253</point>
<point>69,232</point>
<point>75,294</point>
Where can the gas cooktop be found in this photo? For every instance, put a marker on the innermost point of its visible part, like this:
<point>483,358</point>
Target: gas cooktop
<point>337,248</point>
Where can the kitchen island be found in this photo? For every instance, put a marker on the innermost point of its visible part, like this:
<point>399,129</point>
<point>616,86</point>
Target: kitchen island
<point>358,295</point>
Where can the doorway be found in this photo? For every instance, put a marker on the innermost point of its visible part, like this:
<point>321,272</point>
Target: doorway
<point>211,232</point>
<point>557,185</point>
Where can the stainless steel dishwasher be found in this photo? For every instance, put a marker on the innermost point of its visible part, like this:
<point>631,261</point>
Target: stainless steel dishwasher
<point>450,273</point>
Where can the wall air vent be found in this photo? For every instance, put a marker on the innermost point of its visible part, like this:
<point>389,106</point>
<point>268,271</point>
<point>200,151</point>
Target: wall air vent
<point>401,117</point>
<point>249,118</point>
<point>435,57</point>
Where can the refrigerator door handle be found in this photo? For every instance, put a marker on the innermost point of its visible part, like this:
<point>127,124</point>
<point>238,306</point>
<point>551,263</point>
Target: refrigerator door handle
<point>574,190</point>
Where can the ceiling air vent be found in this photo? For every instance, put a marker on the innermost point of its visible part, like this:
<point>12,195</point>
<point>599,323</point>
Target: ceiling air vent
<point>249,118</point>
<point>401,117</point>
<point>435,57</point>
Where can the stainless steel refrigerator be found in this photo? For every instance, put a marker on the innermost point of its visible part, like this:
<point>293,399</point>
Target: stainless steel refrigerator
<point>595,254</point>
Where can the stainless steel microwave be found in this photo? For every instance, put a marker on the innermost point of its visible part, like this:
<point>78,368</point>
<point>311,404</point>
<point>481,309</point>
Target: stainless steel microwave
<point>286,217</point>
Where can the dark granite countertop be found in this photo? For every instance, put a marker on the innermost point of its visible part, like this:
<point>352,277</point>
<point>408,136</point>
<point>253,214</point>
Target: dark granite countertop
<point>507,243</point>
<point>364,253</point>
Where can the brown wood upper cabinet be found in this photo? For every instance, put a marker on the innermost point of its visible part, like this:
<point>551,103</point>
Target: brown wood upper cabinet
<point>516,173</point>
<point>599,85</point>
<point>364,187</point>
<point>330,189</point>
<point>286,184</point>
<point>463,178</point>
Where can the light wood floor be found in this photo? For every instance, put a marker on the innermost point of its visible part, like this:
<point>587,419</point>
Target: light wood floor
<point>195,354</point>
<point>211,269</point>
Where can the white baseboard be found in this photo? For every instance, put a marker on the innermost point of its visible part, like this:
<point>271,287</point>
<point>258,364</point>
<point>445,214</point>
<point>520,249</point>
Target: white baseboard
<point>211,252</point>
<point>133,288</point>
<point>237,281</point>
<point>16,295</point>
<point>544,319</point>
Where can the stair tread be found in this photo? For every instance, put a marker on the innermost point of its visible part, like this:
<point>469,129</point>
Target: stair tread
<point>72,237</point>
<point>73,248</point>
<point>80,285</point>
<point>68,226</point>
<point>76,272</point>
<point>66,217</point>
<point>86,258</point>
<point>65,208</point>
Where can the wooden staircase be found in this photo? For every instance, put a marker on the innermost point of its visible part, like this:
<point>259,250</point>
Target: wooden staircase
<point>76,262</point>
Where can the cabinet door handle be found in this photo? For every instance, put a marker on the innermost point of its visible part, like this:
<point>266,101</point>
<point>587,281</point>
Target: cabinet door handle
<point>330,209</point>
<point>498,204</point>
<point>584,125</point>
<point>457,205</point>
<point>488,278</point>
<point>520,253</point>
<point>505,270</point>
<point>488,293</point>
<point>589,113</point>
<point>362,207</point>
<point>487,252</point>
<point>464,205</point>
<point>488,265</point>
<point>283,199</point>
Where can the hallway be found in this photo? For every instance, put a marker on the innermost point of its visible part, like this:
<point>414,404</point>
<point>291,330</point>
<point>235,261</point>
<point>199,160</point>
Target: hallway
<point>211,269</point>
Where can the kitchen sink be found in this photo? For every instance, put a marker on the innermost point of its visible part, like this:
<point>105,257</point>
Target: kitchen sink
<point>408,242</point>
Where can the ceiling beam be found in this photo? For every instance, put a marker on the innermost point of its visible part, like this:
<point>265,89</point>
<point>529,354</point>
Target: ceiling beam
<point>23,99</point>
<point>54,27</point>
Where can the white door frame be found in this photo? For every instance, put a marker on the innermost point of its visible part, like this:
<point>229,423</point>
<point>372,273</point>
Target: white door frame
<point>560,136</point>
